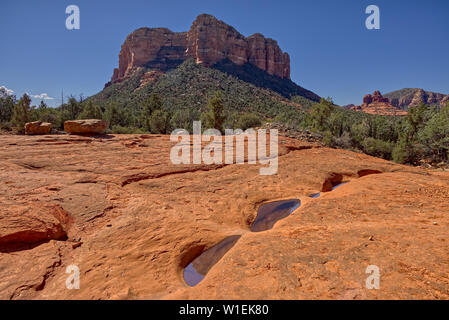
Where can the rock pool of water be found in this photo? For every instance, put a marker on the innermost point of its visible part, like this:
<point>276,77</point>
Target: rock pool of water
<point>316,195</point>
<point>269,213</point>
<point>200,266</point>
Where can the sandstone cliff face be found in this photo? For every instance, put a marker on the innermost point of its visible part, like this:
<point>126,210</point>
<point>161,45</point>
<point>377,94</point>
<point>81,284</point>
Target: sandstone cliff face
<point>208,41</point>
<point>158,45</point>
<point>378,104</point>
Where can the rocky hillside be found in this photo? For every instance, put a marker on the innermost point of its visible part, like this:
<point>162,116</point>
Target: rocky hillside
<point>408,97</point>
<point>185,68</point>
<point>208,41</point>
<point>190,85</point>
<point>377,104</point>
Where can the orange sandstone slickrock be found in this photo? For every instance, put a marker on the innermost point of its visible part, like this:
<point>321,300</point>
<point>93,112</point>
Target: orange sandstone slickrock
<point>133,221</point>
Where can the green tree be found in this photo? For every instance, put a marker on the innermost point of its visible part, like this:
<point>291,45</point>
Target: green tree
<point>159,122</point>
<point>214,116</point>
<point>435,135</point>
<point>359,132</point>
<point>415,120</point>
<point>40,113</point>
<point>248,120</point>
<point>406,152</point>
<point>91,111</point>
<point>73,108</point>
<point>377,148</point>
<point>153,103</point>
<point>320,114</point>
<point>335,122</point>
<point>180,120</point>
<point>21,113</point>
<point>115,116</point>
<point>6,107</point>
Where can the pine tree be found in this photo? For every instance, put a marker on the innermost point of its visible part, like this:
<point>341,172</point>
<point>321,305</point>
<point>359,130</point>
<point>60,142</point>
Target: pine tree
<point>21,113</point>
<point>91,111</point>
<point>159,122</point>
<point>214,117</point>
<point>320,114</point>
<point>74,108</point>
<point>6,107</point>
<point>153,103</point>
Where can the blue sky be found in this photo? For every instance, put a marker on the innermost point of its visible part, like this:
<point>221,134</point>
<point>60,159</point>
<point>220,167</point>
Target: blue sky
<point>332,53</point>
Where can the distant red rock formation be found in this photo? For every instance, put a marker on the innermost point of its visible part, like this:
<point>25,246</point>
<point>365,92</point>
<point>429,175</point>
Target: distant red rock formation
<point>377,104</point>
<point>375,97</point>
<point>444,100</point>
<point>412,97</point>
<point>208,41</point>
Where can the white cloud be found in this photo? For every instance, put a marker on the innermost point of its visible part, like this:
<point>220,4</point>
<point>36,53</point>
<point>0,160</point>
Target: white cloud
<point>7,91</point>
<point>42,96</point>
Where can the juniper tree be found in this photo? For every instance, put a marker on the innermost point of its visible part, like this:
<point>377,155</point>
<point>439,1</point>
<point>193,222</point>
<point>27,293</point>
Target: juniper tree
<point>21,113</point>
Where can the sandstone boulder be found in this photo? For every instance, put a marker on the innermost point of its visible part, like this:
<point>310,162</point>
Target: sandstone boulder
<point>89,126</point>
<point>37,128</point>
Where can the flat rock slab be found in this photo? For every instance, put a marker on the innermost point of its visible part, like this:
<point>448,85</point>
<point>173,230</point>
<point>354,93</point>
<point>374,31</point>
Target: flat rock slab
<point>139,220</point>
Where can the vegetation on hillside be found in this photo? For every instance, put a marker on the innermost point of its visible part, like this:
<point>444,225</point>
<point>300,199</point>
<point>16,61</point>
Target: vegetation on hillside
<point>220,101</point>
<point>422,135</point>
<point>188,88</point>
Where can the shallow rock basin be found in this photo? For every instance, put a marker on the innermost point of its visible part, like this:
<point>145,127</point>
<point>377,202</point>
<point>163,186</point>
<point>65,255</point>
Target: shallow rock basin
<point>269,213</point>
<point>338,185</point>
<point>316,195</point>
<point>200,266</point>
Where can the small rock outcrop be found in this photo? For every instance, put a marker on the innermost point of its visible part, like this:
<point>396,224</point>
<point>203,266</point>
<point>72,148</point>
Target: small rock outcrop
<point>32,225</point>
<point>208,41</point>
<point>37,128</point>
<point>89,126</point>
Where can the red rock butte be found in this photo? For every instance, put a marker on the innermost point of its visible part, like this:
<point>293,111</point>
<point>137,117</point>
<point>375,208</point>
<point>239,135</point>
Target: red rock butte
<point>208,41</point>
<point>377,104</point>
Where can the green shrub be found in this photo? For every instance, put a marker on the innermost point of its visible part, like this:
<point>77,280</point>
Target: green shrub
<point>214,116</point>
<point>248,120</point>
<point>377,148</point>
<point>405,152</point>
<point>125,130</point>
<point>159,122</point>
<point>91,111</point>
